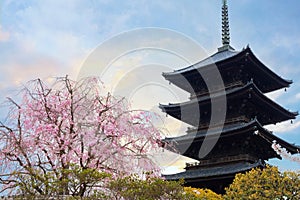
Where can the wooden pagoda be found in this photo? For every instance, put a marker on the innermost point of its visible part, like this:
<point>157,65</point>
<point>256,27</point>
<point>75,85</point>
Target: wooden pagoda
<point>242,142</point>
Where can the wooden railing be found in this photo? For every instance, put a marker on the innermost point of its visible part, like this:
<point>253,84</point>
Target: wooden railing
<point>227,86</point>
<point>227,122</point>
<point>218,161</point>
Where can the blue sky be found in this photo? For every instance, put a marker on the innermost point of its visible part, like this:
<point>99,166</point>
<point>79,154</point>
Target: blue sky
<point>53,38</point>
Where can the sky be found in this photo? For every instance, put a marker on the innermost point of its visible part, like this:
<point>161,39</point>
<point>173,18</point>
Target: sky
<point>53,38</point>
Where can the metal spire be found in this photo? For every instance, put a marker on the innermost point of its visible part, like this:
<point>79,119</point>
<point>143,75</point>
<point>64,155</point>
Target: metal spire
<point>225,24</point>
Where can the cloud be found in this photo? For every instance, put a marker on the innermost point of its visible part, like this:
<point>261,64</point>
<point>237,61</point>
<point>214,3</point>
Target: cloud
<point>284,127</point>
<point>297,96</point>
<point>170,162</point>
<point>288,42</point>
<point>45,39</point>
<point>4,35</point>
<point>276,94</point>
<point>16,73</point>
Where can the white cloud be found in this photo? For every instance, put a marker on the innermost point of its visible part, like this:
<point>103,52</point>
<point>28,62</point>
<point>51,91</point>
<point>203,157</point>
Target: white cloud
<point>276,94</point>
<point>20,73</point>
<point>288,42</point>
<point>297,96</point>
<point>284,127</point>
<point>170,162</point>
<point>4,35</point>
<point>46,39</point>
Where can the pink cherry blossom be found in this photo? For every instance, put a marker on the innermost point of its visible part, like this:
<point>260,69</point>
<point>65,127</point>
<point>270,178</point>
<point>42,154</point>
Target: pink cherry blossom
<point>284,153</point>
<point>71,123</point>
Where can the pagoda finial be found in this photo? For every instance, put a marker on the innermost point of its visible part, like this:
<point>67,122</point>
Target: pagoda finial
<point>225,29</point>
<point>225,24</point>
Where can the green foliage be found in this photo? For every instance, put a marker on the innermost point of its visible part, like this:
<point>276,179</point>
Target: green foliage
<point>133,188</point>
<point>99,185</point>
<point>203,194</point>
<point>268,183</point>
<point>74,181</point>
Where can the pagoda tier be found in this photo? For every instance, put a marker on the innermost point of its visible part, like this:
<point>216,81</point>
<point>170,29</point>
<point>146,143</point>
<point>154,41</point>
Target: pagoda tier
<point>240,147</point>
<point>243,104</point>
<point>237,68</point>
<point>247,142</point>
<point>215,178</point>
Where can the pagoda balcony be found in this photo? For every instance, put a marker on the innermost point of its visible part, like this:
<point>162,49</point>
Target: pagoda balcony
<point>227,87</point>
<point>229,122</point>
<point>221,161</point>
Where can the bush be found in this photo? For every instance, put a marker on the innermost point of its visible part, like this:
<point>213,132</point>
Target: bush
<point>204,194</point>
<point>268,183</point>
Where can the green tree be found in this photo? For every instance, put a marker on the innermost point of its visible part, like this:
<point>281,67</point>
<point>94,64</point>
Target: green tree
<point>268,183</point>
<point>151,188</point>
<point>79,179</point>
<point>203,194</point>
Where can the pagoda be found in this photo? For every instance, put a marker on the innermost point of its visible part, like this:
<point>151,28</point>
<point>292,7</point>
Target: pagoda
<point>239,142</point>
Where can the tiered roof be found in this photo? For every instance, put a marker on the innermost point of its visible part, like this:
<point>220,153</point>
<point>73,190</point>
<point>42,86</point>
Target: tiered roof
<point>228,62</point>
<point>216,171</point>
<point>247,101</point>
<point>242,134</point>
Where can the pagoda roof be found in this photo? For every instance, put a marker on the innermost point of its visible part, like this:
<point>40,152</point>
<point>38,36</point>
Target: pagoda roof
<point>229,59</point>
<point>214,171</point>
<point>274,111</point>
<point>213,59</point>
<point>231,131</point>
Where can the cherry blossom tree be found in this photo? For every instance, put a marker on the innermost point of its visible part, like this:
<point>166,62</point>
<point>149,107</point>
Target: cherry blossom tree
<point>72,136</point>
